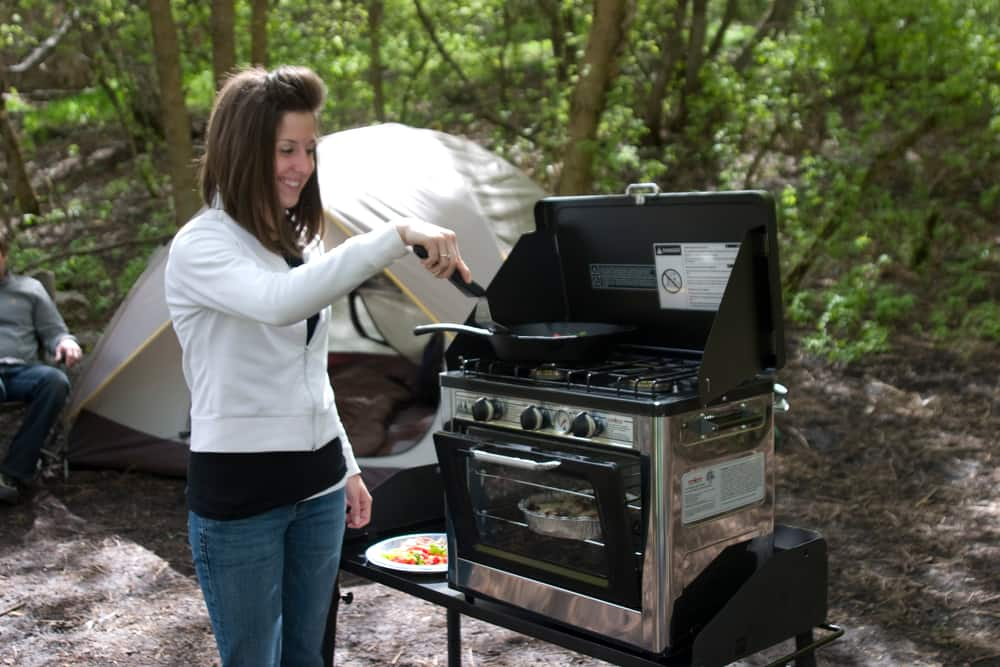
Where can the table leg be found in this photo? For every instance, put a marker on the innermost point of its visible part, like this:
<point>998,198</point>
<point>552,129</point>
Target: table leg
<point>801,641</point>
<point>330,635</point>
<point>453,619</point>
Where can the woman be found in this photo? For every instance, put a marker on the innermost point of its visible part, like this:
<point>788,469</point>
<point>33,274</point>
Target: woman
<point>271,474</point>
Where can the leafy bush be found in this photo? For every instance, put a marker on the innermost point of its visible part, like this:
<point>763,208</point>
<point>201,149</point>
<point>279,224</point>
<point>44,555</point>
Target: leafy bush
<point>88,108</point>
<point>854,316</point>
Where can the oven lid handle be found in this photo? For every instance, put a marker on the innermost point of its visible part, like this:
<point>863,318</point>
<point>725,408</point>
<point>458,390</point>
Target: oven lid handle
<point>513,461</point>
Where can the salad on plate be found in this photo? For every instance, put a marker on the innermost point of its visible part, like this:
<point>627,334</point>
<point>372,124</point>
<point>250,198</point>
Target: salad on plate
<point>419,550</point>
<point>422,553</point>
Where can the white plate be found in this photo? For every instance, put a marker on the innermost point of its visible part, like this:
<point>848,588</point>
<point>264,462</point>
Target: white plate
<point>375,556</point>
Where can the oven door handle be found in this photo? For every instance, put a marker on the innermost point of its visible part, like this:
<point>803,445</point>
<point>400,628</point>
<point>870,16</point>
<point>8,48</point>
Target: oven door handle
<point>513,461</point>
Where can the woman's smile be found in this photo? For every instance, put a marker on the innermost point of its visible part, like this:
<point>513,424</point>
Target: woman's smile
<point>295,155</point>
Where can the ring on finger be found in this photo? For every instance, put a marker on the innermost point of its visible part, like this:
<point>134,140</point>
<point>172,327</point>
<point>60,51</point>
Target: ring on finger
<point>445,255</point>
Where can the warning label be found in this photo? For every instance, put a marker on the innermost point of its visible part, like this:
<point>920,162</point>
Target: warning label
<point>693,276</point>
<point>722,487</point>
<point>623,276</point>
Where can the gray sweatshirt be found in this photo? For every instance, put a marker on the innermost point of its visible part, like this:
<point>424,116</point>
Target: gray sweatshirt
<point>28,318</point>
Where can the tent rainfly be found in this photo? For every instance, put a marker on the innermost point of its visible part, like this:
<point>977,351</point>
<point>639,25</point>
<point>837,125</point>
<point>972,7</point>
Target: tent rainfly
<point>129,406</point>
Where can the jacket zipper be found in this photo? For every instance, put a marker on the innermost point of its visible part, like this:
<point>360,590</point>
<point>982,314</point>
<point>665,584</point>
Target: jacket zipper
<point>312,397</point>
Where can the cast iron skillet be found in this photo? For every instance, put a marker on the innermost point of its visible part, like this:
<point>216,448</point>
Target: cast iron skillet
<point>533,341</point>
<point>542,341</point>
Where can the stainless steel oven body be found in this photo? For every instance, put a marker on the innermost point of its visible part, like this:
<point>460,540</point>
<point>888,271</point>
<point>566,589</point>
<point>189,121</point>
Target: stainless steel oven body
<point>630,494</point>
<point>650,496</point>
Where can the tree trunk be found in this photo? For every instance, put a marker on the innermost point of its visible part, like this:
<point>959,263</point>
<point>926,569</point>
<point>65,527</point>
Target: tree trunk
<point>779,14</point>
<point>720,33</point>
<point>502,74</point>
<point>696,46</point>
<point>557,35</point>
<point>26,198</point>
<point>692,65</point>
<point>18,175</point>
<point>671,47</point>
<point>176,123</point>
<point>375,12</point>
<point>598,70</point>
<point>467,86</point>
<point>223,44</point>
<point>258,33</point>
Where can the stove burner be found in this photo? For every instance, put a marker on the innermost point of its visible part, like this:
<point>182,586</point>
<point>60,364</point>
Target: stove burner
<point>550,372</point>
<point>631,374</point>
<point>644,383</point>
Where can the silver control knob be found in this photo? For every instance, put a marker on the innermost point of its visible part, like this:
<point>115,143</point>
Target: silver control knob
<point>561,421</point>
<point>487,409</point>
<point>586,426</point>
<point>534,417</point>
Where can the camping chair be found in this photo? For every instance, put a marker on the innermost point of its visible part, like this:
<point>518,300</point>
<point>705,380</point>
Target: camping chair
<point>53,451</point>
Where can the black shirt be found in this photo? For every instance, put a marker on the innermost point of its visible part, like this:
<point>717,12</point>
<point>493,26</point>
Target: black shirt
<point>239,485</point>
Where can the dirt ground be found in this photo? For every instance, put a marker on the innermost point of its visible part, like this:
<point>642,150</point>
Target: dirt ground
<point>894,462</point>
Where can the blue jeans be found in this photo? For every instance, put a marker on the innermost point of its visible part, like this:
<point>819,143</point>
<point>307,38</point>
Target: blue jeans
<point>45,389</point>
<point>268,580</point>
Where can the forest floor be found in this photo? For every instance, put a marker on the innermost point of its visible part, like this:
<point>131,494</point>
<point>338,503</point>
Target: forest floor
<point>894,462</point>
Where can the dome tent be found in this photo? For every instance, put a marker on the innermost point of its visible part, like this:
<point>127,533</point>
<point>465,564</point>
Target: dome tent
<point>129,406</point>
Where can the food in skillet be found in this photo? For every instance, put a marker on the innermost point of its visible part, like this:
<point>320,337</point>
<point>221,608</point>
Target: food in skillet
<point>421,550</point>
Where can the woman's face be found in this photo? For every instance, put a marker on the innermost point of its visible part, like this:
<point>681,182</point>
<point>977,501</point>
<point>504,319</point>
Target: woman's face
<point>294,155</point>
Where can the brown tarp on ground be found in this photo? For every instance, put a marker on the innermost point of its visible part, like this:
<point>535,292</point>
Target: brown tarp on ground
<point>102,443</point>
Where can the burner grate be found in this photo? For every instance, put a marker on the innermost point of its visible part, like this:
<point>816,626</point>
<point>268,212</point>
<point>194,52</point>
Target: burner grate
<point>643,376</point>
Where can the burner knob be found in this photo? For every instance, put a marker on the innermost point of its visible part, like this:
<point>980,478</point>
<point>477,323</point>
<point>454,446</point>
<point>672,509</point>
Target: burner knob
<point>562,421</point>
<point>487,409</point>
<point>534,417</point>
<point>586,426</point>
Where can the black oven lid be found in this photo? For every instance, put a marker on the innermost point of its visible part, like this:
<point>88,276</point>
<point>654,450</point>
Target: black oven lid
<point>694,271</point>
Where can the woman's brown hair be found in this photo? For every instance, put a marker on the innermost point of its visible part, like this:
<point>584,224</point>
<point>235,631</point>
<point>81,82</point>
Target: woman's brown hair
<point>238,165</point>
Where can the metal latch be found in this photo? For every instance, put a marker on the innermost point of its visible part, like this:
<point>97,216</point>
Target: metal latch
<point>640,190</point>
<point>712,425</point>
<point>781,403</point>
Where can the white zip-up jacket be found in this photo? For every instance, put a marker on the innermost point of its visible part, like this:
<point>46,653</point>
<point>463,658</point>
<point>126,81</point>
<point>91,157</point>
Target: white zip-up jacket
<point>240,314</point>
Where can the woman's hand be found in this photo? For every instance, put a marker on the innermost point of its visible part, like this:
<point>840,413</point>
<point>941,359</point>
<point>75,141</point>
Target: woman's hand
<point>359,503</point>
<point>443,256</point>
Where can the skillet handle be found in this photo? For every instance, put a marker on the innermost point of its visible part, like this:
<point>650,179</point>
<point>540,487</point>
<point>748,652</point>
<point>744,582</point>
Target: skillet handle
<point>459,328</point>
<point>472,289</point>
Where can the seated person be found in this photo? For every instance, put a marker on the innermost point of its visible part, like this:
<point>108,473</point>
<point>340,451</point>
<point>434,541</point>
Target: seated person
<point>29,317</point>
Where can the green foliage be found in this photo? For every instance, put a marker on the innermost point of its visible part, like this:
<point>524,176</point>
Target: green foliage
<point>88,108</point>
<point>131,273</point>
<point>21,256</point>
<point>983,321</point>
<point>87,269</point>
<point>966,310</point>
<point>875,123</point>
<point>854,316</point>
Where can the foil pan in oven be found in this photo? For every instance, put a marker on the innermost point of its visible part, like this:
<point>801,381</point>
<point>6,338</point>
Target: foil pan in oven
<point>561,515</point>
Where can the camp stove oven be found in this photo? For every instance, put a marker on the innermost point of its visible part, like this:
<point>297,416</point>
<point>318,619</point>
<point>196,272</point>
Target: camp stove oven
<point>629,496</point>
<point>602,530</point>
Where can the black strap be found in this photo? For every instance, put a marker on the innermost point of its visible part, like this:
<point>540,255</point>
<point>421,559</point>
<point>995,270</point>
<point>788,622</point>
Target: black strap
<point>356,319</point>
<point>313,319</point>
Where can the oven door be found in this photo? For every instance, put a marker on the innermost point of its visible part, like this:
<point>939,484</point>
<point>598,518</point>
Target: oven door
<point>566,514</point>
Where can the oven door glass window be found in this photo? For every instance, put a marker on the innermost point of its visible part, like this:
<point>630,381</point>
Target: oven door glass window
<point>569,515</point>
